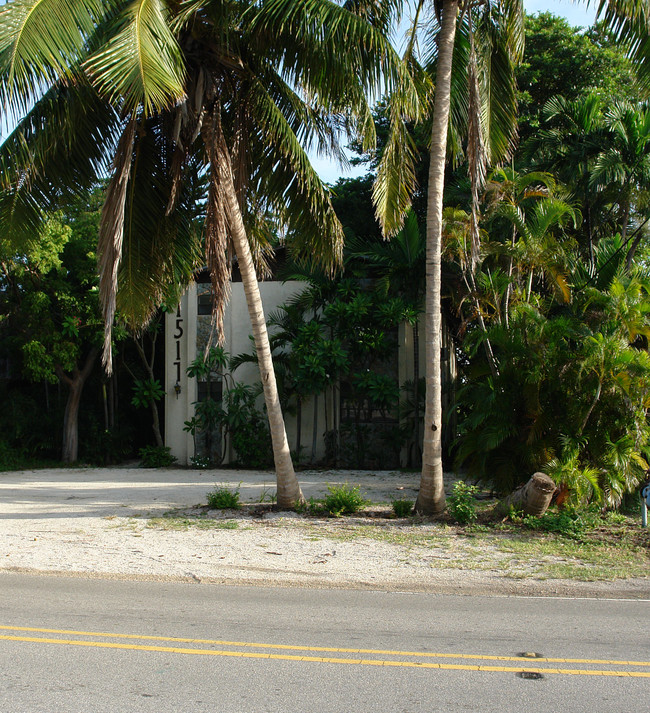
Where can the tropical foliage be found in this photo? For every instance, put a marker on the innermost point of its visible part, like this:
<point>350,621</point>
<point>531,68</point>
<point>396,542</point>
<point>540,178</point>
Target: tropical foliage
<point>201,114</point>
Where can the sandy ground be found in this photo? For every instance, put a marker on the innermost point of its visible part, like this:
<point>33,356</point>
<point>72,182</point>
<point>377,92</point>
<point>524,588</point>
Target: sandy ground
<point>107,523</point>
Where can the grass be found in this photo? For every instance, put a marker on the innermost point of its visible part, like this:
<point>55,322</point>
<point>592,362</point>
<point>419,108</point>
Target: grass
<point>586,546</point>
<point>173,522</point>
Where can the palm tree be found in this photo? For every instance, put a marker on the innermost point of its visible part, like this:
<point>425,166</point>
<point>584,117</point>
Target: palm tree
<point>537,247</point>
<point>163,92</point>
<point>505,186</point>
<point>490,59</point>
<point>569,146</point>
<point>475,86</point>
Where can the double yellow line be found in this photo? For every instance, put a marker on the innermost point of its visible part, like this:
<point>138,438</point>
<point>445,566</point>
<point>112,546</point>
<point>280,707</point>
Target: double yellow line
<point>264,652</point>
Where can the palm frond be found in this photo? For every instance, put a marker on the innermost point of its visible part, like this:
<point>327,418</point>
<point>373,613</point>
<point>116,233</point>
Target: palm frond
<point>141,65</point>
<point>111,232</point>
<point>61,148</point>
<point>40,41</point>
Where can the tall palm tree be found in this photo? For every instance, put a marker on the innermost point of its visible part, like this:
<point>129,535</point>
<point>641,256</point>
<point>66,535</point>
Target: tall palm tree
<point>489,106</point>
<point>164,92</point>
<point>474,48</point>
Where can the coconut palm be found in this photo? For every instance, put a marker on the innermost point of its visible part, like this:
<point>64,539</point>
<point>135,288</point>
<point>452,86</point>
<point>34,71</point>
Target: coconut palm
<point>489,104</point>
<point>159,93</point>
<point>473,51</point>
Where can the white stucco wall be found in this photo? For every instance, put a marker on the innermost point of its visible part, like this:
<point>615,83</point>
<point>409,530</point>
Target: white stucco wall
<point>180,351</point>
<point>182,329</point>
<point>237,328</point>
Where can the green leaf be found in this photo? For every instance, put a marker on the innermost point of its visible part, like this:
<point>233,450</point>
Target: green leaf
<point>141,65</point>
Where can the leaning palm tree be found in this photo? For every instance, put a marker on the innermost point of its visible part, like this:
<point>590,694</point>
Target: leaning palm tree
<point>162,94</point>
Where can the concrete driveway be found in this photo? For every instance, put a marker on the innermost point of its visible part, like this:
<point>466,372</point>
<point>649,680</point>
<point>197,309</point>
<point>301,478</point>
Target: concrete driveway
<point>98,492</point>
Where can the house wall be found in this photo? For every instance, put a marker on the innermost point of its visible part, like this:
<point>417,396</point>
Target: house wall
<point>187,333</point>
<point>180,352</point>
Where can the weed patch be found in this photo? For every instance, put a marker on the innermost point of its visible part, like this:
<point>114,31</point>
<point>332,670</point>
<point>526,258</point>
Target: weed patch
<point>344,500</point>
<point>224,499</point>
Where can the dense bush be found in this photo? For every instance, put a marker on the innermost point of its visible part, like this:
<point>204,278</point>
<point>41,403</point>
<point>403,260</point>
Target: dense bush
<point>343,500</point>
<point>462,502</point>
<point>569,397</point>
<point>156,457</point>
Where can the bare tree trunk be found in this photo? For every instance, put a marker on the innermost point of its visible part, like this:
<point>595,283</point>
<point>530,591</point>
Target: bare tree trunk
<point>288,488</point>
<point>149,364</point>
<point>70,450</point>
<point>75,383</point>
<point>431,498</point>
<point>155,424</point>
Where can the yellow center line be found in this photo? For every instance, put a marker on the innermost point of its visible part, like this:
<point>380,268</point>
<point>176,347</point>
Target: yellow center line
<point>322,659</point>
<point>290,647</point>
<point>314,659</point>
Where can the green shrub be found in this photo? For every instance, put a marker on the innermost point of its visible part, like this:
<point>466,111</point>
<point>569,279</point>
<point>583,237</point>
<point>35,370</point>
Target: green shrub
<point>565,522</point>
<point>572,522</point>
<point>343,500</point>
<point>402,508</point>
<point>156,457</point>
<point>462,502</point>
<point>224,499</point>
<point>252,444</point>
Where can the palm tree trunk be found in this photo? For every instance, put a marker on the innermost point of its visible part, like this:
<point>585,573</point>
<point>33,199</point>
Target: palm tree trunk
<point>506,303</point>
<point>288,488</point>
<point>431,498</point>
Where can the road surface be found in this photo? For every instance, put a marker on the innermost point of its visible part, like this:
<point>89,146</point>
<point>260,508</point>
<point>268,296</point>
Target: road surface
<point>75,645</point>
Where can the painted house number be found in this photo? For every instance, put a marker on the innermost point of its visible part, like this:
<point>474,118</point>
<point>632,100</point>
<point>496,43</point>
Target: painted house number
<point>177,336</point>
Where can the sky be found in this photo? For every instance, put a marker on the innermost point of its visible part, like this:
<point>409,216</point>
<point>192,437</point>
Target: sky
<point>578,15</point>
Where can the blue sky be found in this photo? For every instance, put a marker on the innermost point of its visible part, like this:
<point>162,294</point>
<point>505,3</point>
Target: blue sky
<point>578,14</point>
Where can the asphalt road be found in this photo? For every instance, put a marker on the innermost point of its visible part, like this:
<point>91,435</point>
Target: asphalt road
<point>75,645</point>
